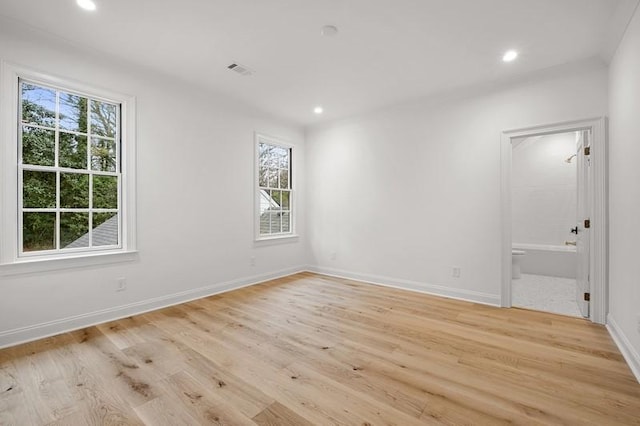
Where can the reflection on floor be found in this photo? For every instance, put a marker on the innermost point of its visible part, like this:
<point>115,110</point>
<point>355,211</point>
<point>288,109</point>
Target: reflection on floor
<point>542,293</point>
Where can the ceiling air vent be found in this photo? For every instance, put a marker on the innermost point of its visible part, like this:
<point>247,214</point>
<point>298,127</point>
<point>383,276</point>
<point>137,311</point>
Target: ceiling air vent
<point>240,69</point>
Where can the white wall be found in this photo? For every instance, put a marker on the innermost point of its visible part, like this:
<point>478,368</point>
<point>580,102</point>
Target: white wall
<point>544,190</point>
<point>402,195</point>
<point>624,193</point>
<point>195,199</point>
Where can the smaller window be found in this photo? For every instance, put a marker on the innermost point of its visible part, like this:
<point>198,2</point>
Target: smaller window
<point>274,188</point>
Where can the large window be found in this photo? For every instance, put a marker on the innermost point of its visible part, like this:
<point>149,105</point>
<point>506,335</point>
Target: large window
<point>67,169</point>
<point>274,188</point>
<point>69,173</point>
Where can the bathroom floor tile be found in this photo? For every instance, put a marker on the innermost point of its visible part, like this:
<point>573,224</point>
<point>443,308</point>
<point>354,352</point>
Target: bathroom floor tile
<point>542,293</point>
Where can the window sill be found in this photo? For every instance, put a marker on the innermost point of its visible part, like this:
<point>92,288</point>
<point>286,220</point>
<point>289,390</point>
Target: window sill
<point>32,265</point>
<point>279,239</point>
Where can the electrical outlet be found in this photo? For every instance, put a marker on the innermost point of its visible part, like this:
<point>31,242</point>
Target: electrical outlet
<point>334,255</point>
<point>121,284</point>
<point>455,272</point>
<point>252,261</point>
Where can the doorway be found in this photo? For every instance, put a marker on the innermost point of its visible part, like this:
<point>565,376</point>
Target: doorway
<point>554,219</point>
<point>547,186</point>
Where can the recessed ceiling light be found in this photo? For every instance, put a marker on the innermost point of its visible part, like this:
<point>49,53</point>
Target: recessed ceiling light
<point>329,30</point>
<point>318,110</point>
<point>510,55</point>
<point>86,4</point>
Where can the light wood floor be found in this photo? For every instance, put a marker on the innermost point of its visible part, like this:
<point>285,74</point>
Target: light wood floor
<point>309,349</point>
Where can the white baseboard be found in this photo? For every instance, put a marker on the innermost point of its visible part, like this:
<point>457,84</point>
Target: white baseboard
<point>627,350</point>
<point>39,331</point>
<point>433,289</point>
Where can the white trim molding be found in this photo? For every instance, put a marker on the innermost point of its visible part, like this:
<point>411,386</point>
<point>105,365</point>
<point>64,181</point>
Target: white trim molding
<point>39,331</point>
<point>419,287</point>
<point>33,266</point>
<point>626,348</point>
<point>598,208</point>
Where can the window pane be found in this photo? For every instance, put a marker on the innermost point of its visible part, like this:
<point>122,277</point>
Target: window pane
<point>263,155</point>
<point>273,178</point>
<point>263,177</point>
<point>275,222</point>
<point>264,223</point>
<point>38,105</point>
<point>38,189</point>
<point>74,230</point>
<point>74,190</point>
<point>105,229</point>
<point>38,231</point>
<point>266,203</point>
<point>38,146</point>
<point>276,196</point>
<point>285,200</point>
<point>286,222</point>
<point>282,155</point>
<point>73,151</point>
<point>103,155</point>
<point>73,112</point>
<point>284,179</point>
<point>103,119</point>
<point>105,192</point>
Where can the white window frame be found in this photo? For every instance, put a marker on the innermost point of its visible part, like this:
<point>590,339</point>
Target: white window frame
<point>12,260</point>
<point>292,234</point>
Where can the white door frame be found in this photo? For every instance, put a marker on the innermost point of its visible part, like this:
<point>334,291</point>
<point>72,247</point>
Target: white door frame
<point>597,209</point>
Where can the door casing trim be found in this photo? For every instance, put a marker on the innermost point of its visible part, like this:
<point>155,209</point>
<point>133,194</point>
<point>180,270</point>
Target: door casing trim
<point>597,209</point>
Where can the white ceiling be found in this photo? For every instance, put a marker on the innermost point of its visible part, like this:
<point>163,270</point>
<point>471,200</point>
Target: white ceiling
<point>386,51</point>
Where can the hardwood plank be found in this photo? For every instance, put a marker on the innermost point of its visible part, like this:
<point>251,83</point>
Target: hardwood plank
<point>238,393</point>
<point>165,411</point>
<point>311,349</point>
<point>203,404</point>
<point>45,391</point>
<point>277,414</point>
<point>122,333</point>
<point>88,378</point>
<point>14,408</point>
<point>115,368</point>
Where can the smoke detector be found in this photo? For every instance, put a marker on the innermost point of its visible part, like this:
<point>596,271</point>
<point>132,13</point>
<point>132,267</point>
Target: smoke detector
<point>240,69</point>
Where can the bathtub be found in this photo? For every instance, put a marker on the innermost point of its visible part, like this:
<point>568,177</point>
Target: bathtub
<point>550,260</point>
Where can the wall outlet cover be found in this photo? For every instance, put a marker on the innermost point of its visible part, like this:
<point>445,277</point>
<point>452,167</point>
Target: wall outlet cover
<point>455,272</point>
<point>121,284</point>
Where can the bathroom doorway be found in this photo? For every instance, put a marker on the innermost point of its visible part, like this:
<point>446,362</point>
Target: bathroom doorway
<point>544,210</point>
<point>553,189</point>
